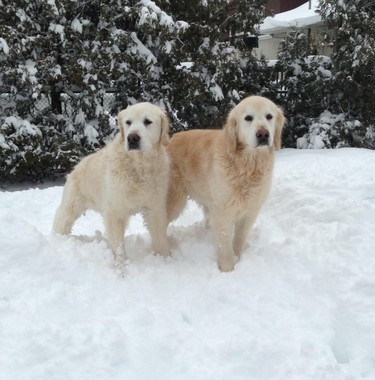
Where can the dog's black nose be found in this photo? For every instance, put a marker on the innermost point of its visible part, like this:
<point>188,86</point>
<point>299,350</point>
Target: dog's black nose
<point>263,136</point>
<point>133,141</point>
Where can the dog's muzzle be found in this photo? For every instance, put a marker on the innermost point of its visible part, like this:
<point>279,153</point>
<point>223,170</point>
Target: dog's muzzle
<point>263,137</point>
<point>134,141</point>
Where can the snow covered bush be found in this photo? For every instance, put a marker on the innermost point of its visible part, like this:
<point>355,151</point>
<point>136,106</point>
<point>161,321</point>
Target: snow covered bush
<point>330,131</point>
<point>68,67</point>
<point>61,59</point>
<point>209,72</point>
<point>30,153</point>
<point>306,84</point>
<point>342,87</point>
<point>353,82</point>
<point>72,65</point>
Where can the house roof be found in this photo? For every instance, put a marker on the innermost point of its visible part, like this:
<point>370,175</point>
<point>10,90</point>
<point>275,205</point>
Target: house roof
<point>298,17</point>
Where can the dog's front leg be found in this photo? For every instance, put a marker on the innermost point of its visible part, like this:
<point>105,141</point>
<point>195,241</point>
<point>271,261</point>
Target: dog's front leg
<point>115,228</point>
<point>222,225</point>
<point>241,232</point>
<point>206,215</point>
<point>242,229</point>
<point>156,222</point>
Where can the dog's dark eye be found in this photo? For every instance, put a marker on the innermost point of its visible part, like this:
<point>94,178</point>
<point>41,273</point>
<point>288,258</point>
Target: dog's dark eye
<point>147,122</point>
<point>128,122</point>
<point>269,116</point>
<point>249,118</point>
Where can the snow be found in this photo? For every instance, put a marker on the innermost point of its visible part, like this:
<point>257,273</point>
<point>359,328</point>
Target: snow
<point>91,134</point>
<point>53,6</point>
<point>3,144</point>
<point>236,95</point>
<point>22,126</point>
<point>58,29</point>
<point>150,13</point>
<point>300,17</point>
<point>146,14</point>
<point>168,47</point>
<point>76,25</point>
<point>4,46</point>
<point>28,71</point>
<point>21,14</point>
<point>300,304</point>
<point>80,118</point>
<point>142,50</point>
<point>323,130</point>
<point>182,25</point>
<point>56,71</point>
<point>85,64</point>
<point>185,65</point>
<point>216,91</point>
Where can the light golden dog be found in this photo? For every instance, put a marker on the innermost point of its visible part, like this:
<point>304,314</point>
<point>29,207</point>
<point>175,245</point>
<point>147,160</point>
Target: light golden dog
<point>128,176</point>
<point>228,171</point>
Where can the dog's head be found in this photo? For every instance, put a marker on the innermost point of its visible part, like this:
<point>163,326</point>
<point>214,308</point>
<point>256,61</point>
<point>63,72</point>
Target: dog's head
<point>256,122</point>
<point>143,126</point>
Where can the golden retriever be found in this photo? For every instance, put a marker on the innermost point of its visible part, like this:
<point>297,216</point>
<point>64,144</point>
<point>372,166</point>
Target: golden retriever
<point>228,171</point>
<point>128,176</point>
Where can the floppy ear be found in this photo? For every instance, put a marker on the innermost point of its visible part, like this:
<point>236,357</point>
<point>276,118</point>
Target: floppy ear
<point>120,123</point>
<point>230,133</point>
<point>280,121</point>
<point>164,135</point>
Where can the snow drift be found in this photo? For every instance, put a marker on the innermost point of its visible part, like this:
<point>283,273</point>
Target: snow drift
<point>299,305</point>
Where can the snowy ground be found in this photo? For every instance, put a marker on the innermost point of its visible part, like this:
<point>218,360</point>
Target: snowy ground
<point>299,305</point>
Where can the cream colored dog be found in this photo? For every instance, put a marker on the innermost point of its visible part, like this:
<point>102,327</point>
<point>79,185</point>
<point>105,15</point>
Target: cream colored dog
<point>128,176</point>
<point>228,171</point>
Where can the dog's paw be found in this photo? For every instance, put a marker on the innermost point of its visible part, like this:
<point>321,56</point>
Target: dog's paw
<point>120,261</point>
<point>120,266</point>
<point>226,264</point>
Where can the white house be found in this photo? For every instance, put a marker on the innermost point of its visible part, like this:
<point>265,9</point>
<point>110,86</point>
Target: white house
<point>305,17</point>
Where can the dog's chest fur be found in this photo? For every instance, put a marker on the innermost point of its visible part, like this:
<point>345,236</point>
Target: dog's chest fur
<point>248,176</point>
<point>137,175</point>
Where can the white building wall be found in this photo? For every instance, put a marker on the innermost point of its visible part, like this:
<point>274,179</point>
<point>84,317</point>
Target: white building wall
<point>269,44</point>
